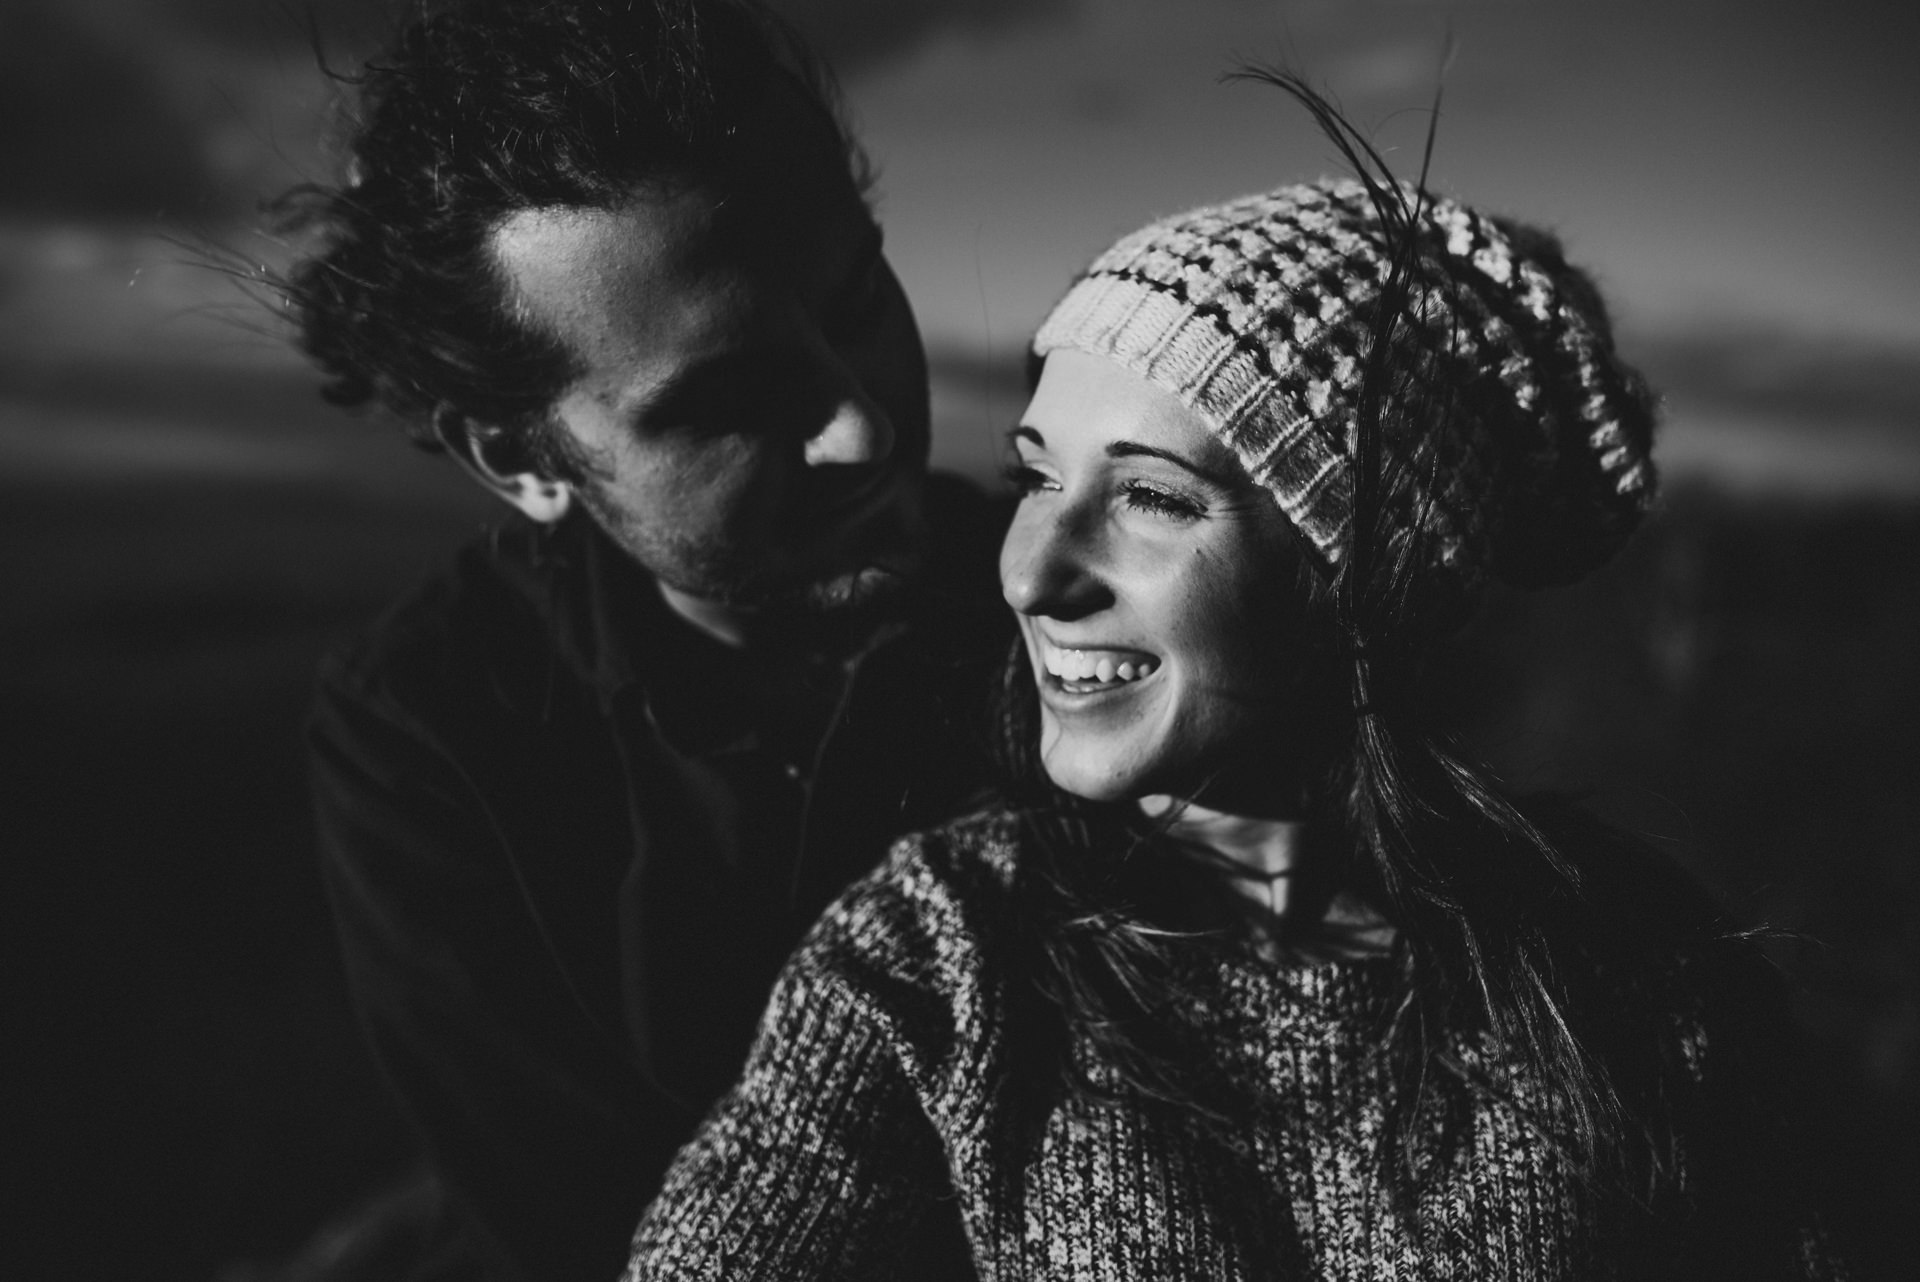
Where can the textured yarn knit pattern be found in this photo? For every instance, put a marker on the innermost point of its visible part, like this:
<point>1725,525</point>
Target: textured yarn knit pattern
<point>877,1085</point>
<point>1256,313</point>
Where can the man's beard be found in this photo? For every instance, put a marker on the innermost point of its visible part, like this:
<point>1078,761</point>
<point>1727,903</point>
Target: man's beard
<point>837,615</point>
<point>842,603</point>
<point>866,589</point>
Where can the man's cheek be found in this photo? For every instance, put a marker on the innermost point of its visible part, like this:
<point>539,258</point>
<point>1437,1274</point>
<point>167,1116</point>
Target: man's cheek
<point>714,484</point>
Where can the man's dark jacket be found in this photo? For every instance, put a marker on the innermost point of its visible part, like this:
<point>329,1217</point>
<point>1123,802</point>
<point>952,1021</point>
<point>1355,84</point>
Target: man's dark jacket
<point>569,842</point>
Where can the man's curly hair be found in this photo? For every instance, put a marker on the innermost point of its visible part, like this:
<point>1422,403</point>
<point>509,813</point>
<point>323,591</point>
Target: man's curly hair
<point>478,109</point>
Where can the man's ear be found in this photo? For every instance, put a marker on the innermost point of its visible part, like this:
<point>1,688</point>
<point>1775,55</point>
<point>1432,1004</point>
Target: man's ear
<point>497,462</point>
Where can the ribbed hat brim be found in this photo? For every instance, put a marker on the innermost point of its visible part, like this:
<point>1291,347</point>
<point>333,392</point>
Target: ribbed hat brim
<point>1147,328</point>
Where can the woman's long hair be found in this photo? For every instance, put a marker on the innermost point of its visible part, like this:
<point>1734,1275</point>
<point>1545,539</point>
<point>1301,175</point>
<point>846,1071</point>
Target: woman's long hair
<point>1505,920</point>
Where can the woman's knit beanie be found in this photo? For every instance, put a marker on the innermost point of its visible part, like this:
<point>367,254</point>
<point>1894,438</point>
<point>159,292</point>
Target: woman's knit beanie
<point>1516,443</point>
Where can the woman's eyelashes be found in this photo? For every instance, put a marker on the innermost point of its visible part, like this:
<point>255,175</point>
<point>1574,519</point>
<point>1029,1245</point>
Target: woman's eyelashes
<point>1161,501</point>
<point>1150,497</point>
<point>1024,478</point>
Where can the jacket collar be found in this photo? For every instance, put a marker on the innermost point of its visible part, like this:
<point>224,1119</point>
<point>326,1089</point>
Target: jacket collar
<point>613,632</point>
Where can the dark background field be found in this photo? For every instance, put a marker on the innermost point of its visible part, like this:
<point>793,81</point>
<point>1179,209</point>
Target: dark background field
<point>184,528</point>
<point>1741,686</point>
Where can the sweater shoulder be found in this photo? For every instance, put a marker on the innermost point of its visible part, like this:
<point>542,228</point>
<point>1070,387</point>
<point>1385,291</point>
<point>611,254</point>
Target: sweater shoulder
<point>919,945</point>
<point>938,893</point>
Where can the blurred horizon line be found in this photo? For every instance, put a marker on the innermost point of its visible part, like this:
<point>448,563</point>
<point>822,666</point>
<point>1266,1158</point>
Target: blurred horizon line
<point>1814,422</point>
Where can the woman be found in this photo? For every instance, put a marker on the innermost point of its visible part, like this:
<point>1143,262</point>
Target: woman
<point>1250,978</point>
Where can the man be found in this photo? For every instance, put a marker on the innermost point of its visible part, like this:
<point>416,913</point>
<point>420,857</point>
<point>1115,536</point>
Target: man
<point>579,798</point>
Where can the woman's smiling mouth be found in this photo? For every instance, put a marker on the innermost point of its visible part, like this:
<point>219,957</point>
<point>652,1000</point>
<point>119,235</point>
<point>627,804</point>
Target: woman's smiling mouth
<point>1088,670</point>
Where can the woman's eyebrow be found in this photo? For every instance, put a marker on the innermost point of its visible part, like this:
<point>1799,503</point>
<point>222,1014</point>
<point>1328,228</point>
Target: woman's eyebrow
<point>1134,449</point>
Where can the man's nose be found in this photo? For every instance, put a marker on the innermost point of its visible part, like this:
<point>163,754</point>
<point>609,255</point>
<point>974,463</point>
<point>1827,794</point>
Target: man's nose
<point>857,431</point>
<point>1049,563</point>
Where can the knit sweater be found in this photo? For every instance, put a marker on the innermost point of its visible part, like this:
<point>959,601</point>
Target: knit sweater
<point>879,1083</point>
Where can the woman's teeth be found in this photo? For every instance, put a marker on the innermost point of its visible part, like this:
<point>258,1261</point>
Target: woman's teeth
<point>1098,667</point>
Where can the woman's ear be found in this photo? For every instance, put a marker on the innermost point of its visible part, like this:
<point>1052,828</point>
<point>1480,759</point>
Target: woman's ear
<point>497,461</point>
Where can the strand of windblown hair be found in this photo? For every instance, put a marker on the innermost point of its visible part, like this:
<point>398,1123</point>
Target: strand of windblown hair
<point>1457,866</point>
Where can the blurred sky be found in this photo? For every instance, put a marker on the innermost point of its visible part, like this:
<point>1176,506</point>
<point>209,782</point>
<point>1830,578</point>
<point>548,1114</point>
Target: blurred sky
<point>1741,177</point>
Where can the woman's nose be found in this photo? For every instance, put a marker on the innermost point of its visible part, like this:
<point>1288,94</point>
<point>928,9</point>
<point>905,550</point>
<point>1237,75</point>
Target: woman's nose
<point>1048,563</point>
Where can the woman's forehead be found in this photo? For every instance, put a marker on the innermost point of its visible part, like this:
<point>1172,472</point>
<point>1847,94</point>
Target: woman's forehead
<point>1093,401</point>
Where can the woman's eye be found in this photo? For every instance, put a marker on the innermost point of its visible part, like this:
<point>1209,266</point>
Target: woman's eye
<point>1024,480</point>
<point>1142,497</point>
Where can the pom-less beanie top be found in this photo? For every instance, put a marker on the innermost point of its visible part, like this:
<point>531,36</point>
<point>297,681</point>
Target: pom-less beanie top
<point>1515,443</point>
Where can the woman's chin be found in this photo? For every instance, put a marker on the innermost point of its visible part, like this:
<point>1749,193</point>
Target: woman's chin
<point>1093,782</point>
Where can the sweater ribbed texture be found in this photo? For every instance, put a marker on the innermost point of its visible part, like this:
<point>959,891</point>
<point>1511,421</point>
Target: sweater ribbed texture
<point>878,1083</point>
